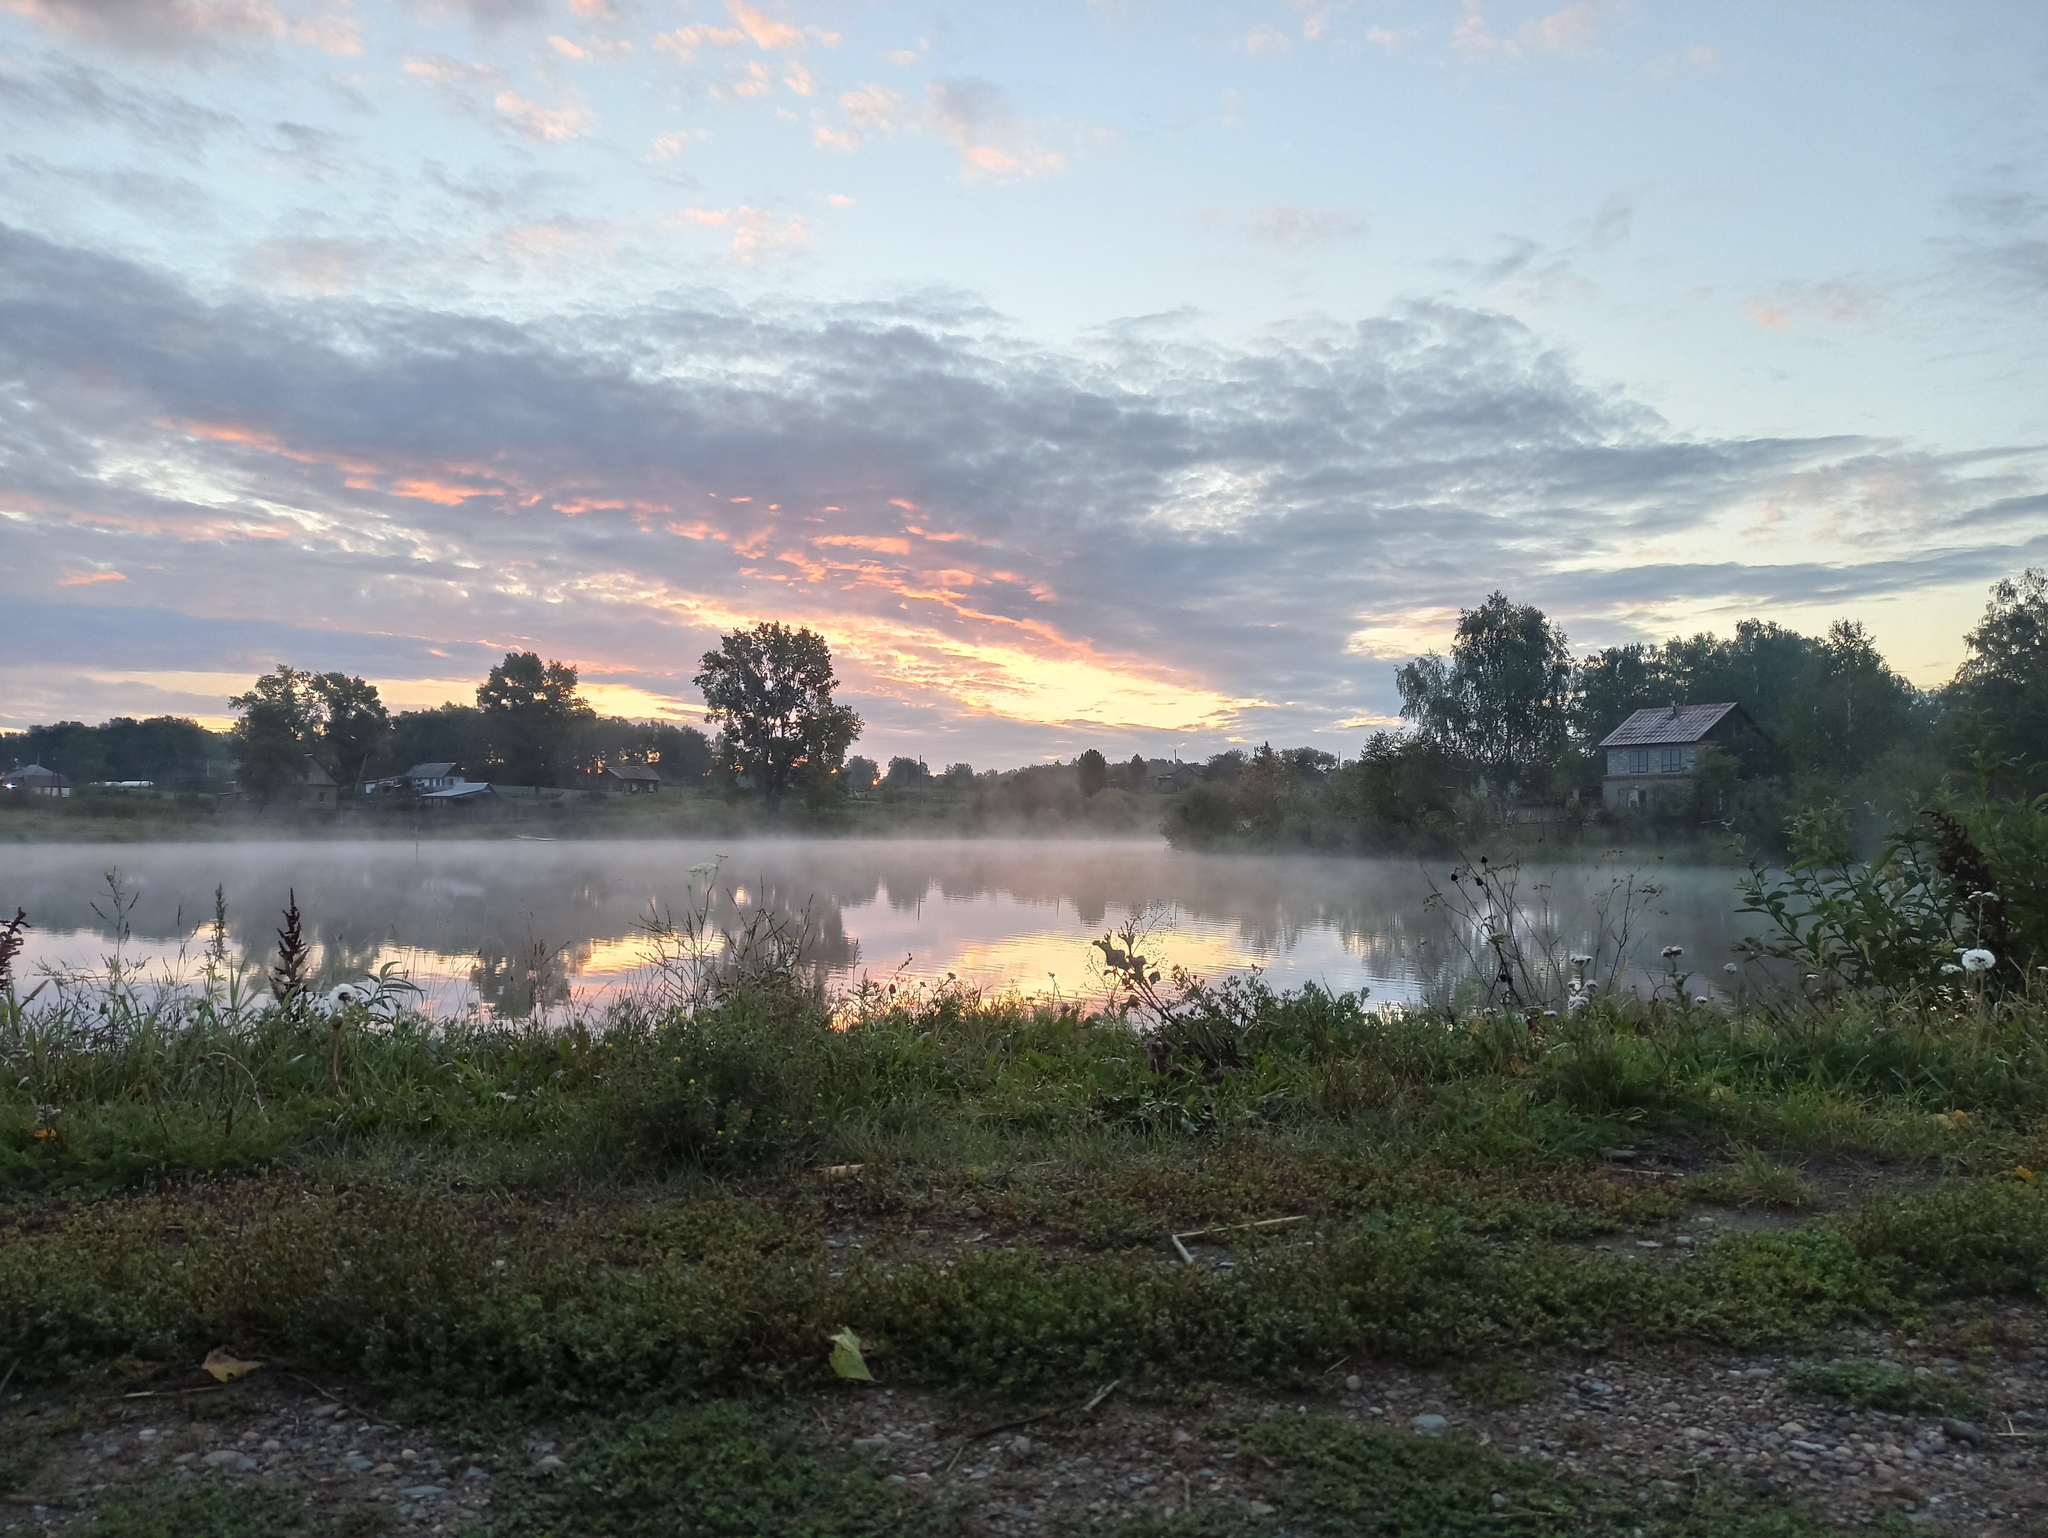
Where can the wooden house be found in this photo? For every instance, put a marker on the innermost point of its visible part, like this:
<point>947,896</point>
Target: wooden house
<point>1653,755</point>
<point>627,779</point>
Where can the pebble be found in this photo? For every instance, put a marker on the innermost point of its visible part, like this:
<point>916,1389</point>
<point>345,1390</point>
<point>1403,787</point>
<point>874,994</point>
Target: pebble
<point>1428,1425</point>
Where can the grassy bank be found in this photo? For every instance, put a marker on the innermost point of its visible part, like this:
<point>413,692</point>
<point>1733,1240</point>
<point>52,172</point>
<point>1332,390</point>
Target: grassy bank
<point>624,1223</point>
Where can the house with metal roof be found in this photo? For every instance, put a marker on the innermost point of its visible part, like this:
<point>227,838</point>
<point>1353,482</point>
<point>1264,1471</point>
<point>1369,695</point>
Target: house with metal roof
<point>421,779</point>
<point>36,780</point>
<point>1654,754</point>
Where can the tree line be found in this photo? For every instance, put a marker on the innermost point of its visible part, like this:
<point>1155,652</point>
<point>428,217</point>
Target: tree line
<point>1509,718</point>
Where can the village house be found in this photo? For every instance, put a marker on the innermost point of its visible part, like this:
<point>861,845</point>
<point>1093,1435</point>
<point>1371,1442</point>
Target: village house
<point>313,788</point>
<point>1653,755</point>
<point>423,778</point>
<point>35,780</point>
<point>627,779</point>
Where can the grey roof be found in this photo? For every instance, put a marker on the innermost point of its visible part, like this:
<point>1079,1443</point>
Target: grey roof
<point>633,771</point>
<point>431,771</point>
<point>25,771</point>
<point>461,790</point>
<point>1667,723</point>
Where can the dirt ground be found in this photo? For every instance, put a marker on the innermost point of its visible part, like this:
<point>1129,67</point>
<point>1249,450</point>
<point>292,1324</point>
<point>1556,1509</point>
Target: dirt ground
<point>1656,1423</point>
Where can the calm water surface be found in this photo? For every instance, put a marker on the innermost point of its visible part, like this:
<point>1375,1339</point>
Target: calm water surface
<point>466,919</point>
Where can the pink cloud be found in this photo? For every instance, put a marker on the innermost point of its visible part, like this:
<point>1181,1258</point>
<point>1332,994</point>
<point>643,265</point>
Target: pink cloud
<point>764,32</point>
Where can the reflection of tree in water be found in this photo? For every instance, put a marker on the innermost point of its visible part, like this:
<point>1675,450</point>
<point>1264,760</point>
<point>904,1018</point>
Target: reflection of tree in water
<point>477,904</point>
<point>522,982</point>
<point>345,958</point>
<point>803,906</point>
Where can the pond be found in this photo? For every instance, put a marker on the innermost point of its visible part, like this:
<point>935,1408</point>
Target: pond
<point>488,923</point>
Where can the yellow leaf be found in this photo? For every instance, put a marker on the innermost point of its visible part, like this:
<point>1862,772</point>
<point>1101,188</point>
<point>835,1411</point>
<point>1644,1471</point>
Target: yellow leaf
<point>2021,1172</point>
<point>226,1367</point>
<point>846,1358</point>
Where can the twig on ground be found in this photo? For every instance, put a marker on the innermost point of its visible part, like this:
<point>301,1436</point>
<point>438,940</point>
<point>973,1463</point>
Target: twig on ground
<point>1086,1407</point>
<point>334,1398</point>
<point>1227,1228</point>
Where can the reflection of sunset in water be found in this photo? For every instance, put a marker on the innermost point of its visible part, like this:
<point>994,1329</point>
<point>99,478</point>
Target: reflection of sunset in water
<point>500,924</point>
<point>1063,958</point>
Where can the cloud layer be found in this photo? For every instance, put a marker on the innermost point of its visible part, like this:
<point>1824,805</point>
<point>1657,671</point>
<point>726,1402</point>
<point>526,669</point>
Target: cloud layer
<point>1012,548</point>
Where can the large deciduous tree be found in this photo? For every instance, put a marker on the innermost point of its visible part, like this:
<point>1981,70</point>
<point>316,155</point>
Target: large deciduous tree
<point>770,691</point>
<point>354,723</point>
<point>531,710</point>
<point>1851,707</point>
<point>2004,679</point>
<point>280,720</point>
<point>1501,701</point>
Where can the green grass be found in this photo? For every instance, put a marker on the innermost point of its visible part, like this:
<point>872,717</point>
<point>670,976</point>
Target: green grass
<point>506,1221</point>
<point>707,1471</point>
<point>196,1508</point>
<point>1339,1480</point>
<point>1874,1386</point>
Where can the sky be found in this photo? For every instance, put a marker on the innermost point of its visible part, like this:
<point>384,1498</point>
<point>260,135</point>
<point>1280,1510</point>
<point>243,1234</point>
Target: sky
<point>1140,375</point>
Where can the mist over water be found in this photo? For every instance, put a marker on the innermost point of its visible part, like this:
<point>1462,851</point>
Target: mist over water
<point>466,918</point>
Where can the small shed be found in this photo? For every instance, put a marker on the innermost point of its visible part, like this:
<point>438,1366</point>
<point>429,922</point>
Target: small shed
<point>1653,755</point>
<point>37,781</point>
<point>629,779</point>
<point>313,787</point>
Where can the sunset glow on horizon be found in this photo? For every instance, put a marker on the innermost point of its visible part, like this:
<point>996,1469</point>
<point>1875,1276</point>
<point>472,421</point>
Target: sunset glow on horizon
<point>1096,374</point>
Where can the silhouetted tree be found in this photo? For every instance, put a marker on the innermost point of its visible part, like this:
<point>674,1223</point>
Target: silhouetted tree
<point>1093,770</point>
<point>2004,679</point>
<point>906,773</point>
<point>280,724</point>
<point>353,726</point>
<point>1502,700</point>
<point>531,709</point>
<point>770,689</point>
<point>1851,708</point>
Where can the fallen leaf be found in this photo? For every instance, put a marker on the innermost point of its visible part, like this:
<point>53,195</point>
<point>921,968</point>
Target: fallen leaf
<point>226,1367</point>
<point>846,1358</point>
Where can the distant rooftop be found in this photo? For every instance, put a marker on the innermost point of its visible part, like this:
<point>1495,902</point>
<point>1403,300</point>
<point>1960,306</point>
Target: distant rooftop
<point>1668,723</point>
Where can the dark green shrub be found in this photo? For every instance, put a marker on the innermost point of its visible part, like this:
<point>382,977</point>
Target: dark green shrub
<point>1870,1386</point>
<point>710,1471</point>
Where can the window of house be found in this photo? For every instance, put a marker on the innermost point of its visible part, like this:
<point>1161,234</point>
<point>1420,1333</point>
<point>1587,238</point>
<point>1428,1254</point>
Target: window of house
<point>1672,761</point>
<point>1638,760</point>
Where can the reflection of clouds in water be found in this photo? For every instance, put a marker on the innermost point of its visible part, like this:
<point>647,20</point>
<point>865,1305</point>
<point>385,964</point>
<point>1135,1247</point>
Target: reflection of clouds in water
<point>459,916</point>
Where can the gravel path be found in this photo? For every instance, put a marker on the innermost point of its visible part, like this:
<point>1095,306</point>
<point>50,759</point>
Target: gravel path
<point>1657,1424</point>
